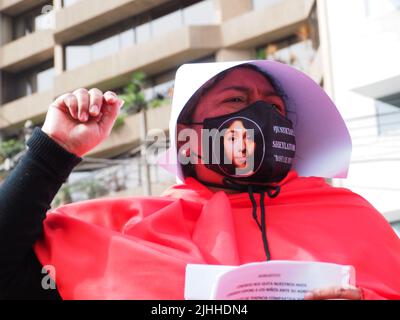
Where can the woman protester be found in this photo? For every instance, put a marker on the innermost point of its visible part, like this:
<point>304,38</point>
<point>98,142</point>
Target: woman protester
<point>251,144</point>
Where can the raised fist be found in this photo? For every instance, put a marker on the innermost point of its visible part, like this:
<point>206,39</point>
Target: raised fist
<point>81,120</point>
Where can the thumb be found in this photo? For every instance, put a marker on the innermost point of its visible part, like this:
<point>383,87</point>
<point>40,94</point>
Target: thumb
<point>109,114</point>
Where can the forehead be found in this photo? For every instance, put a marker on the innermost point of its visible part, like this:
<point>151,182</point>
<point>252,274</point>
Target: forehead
<point>242,77</point>
<point>235,123</point>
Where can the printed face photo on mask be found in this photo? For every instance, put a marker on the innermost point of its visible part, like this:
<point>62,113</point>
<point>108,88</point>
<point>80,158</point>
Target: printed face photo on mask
<point>239,145</point>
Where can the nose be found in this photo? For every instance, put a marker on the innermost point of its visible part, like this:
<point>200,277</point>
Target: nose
<point>243,142</point>
<point>257,95</point>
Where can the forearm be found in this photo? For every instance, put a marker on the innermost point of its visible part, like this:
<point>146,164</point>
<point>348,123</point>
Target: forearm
<point>26,196</point>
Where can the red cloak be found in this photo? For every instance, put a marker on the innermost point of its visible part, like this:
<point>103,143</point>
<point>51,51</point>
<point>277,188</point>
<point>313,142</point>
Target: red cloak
<point>138,247</point>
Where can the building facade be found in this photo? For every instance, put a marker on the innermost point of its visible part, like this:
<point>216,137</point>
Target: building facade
<point>364,46</point>
<point>48,48</point>
<point>52,47</point>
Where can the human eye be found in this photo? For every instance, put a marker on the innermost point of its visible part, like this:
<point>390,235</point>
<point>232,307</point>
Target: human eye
<point>234,100</point>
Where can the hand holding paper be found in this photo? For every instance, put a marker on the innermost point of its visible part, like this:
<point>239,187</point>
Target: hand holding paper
<point>273,280</point>
<point>335,293</point>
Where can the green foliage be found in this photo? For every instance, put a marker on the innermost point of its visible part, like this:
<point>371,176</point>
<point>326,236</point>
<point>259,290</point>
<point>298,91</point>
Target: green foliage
<point>119,122</point>
<point>135,100</point>
<point>92,188</point>
<point>95,189</point>
<point>63,196</point>
<point>10,148</point>
<point>133,94</point>
<point>156,103</point>
<point>261,54</point>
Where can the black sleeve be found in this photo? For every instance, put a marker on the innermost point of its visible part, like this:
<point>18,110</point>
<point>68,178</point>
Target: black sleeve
<point>25,197</point>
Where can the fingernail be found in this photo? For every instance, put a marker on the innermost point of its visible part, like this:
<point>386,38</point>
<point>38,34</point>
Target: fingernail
<point>98,118</point>
<point>84,117</point>
<point>94,109</point>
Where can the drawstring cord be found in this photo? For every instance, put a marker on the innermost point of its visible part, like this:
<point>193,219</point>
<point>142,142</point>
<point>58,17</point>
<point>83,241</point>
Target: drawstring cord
<point>272,192</point>
<point>254,206</point>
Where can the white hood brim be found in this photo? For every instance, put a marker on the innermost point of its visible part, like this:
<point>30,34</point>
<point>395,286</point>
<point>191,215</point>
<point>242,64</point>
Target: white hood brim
<point>323,143</point>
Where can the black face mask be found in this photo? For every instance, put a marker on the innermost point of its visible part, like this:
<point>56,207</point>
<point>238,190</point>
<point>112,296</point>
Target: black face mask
<point>255,144</point>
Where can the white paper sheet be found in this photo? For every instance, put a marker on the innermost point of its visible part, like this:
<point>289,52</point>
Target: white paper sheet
<point>273,280</point>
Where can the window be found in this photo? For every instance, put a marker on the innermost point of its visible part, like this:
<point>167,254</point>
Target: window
<point>388,114</point>
<point>138,29</point>
<point>167,23</point>
<point>259,4</point>
<point>298,50</point>
<point>67,3</point>
<point>44,79</point>
<point>98,46</point>
<point>161,86</point>
<point>37,79</point>
<point>202,13</point>
<point>39,18</point>
<point>396,227</point>
<point>156,87</point>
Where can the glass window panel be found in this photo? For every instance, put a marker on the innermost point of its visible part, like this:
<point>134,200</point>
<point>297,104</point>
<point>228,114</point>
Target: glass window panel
<point>45,79</point>
<point>299,55</point>
<point>396,227</point>
<point>258,4</point>
<point>126,33</point>
<point>29,87</point>
<point>302,55</point>
<point>127,38</point>
<point>29,24</point>
<point>201,13</point>
<point>45,21</point>
<point>167,23</point>
<point>149,94</point>
<point>67,3</point>
<point>143,33</point>
<point>105,47</point>
<point>38,18</point>
<point>298,50</point>
<point>164,90</point>
<point>18,28</point>
<point>77,56</point>
<point>388,114</point>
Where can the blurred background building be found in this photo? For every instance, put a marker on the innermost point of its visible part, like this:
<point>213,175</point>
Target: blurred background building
<point>364,81</point>
<point>48,48</point>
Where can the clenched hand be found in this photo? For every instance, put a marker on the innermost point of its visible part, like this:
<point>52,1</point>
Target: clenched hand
<point>81,120</point>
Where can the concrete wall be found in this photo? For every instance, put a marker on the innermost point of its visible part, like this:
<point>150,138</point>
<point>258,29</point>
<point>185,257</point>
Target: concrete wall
<point>85,17</point>
<point>160,54</point>
<point>15,7</point>
<point>27,51</point>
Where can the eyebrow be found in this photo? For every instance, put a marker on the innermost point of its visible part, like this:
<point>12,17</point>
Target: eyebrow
<point>247,90</point>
